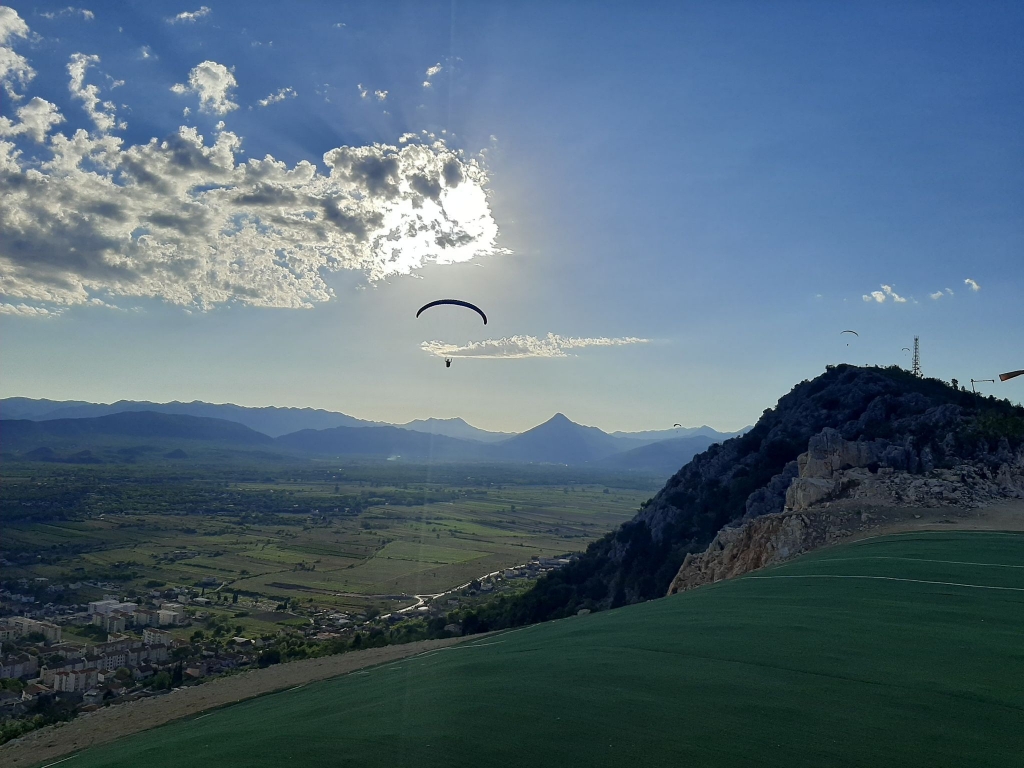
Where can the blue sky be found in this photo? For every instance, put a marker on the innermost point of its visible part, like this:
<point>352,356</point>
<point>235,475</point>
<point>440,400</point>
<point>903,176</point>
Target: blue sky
<point>693,198</point>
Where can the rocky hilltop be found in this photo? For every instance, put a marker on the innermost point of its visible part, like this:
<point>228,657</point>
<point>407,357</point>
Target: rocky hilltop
<point>850,434</point>
<point>847,487</point>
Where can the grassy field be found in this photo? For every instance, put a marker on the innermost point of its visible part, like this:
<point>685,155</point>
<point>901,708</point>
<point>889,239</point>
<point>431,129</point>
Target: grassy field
<point>407,537</point>
<point>905,651</point>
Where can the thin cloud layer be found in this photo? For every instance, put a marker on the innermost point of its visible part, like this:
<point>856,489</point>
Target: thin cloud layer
<point>213,83</point>
<point>190,17</point>
<point>274,98</point>
<point>515,347</point>
<point>972,284</point>
<point>86,14</point>
<point>85,218</point>
<point>884,295</point>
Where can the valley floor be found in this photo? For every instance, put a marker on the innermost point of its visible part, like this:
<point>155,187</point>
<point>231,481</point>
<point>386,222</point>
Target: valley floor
<point>897,650</point>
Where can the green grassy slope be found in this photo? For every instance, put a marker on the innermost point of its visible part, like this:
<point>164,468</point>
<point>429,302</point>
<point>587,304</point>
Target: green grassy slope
<point>807,670</point>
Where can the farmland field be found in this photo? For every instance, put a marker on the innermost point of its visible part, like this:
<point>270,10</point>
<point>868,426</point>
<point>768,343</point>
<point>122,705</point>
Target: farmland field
<point>905,650</point>
<point>352,537</point>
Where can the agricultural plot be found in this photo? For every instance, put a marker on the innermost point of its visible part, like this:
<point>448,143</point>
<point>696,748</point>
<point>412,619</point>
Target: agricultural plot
<point>897,651</point>
<point>346,538</point>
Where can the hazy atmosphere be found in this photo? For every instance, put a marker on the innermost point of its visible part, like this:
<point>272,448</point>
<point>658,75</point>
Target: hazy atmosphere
<point>682,204</point>
<point>499,384</point>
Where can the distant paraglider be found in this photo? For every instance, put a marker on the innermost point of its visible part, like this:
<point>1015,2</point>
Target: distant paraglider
<point>447,362</point>
<point>454,302</point>
<point>677,425</point>
<point>1010,375</point>
<point>853,332</point>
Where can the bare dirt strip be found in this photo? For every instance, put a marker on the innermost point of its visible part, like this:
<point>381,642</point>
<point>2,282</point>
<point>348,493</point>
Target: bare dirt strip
<point>51,744</point>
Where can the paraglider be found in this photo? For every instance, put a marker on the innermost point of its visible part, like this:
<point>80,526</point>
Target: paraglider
<point>454,302</point>
<point>853,332</point>
<point>457,303</point>
<point>1010,375</point>
<point>677,425</point>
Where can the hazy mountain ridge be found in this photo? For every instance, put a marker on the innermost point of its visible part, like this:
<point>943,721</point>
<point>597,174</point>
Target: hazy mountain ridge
<point>924,423</point>
<point>277,421</point>
<point>663,457</point>
<point>455,427</point>
<point>133,434</point>
<point>270,420</point>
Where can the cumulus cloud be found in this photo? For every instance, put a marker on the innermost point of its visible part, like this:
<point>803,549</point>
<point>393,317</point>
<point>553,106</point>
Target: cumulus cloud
<point>14,68</point>
<point>937,295</point>
<point>363,92</point>
<point>514,347</point>
<point>35,120</point>
<point>281,95</point>
<point>431,72</point>
<point>190,17</point>
<point>213,83</point>
<point>101,113</point>
<point>145,52</point>
<point>185,220</point>
<point>381,95</point>
<point>972,284</point>
<point>883,295</point>
<point>69,11</point>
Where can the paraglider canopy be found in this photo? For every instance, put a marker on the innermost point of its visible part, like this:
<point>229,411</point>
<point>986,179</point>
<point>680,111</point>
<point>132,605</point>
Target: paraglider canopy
<point>454,302</point>
<point>853,332</point>
<point>677,425</point>
<point>1010,375</point>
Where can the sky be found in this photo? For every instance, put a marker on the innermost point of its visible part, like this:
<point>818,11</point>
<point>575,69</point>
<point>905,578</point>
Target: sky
<point>669,212</point>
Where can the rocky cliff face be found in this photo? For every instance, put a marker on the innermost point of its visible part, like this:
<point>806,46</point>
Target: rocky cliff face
<point>844,487</point>
<point>850,431</point>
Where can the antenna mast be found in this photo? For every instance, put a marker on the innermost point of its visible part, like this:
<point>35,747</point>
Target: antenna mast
<point>916,370</point>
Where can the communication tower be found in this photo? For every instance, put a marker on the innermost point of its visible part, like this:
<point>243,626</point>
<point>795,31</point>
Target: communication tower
<point>916,370</point>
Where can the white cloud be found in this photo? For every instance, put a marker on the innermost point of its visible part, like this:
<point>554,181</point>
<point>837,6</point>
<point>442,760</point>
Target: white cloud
<point>514,347</point>
<point>972,284</point>
<point>69,11</point>
<point>183,219</point>
<point>101,113</point>
<point>35,120</point>
<point>362,91</point>
<point>281,95</point>
<point>339,25</point>
<point>381,95</point>
<point>14,68</point>
<point>431,72</point>
<point>145,52</point>
<point>937,295</point>
<point>24,310</point>
<point>213,83</point>
<point>189,17</point>
<point>881,296</point>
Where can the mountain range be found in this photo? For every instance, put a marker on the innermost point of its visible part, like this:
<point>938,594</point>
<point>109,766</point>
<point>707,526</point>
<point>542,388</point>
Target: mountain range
<point>275,421</point>
<point>63,432</point>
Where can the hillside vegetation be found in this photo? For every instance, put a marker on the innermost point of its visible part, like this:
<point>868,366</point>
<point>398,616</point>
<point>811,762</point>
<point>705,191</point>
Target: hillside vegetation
<point>927,422</point>
<point>904,650</point>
